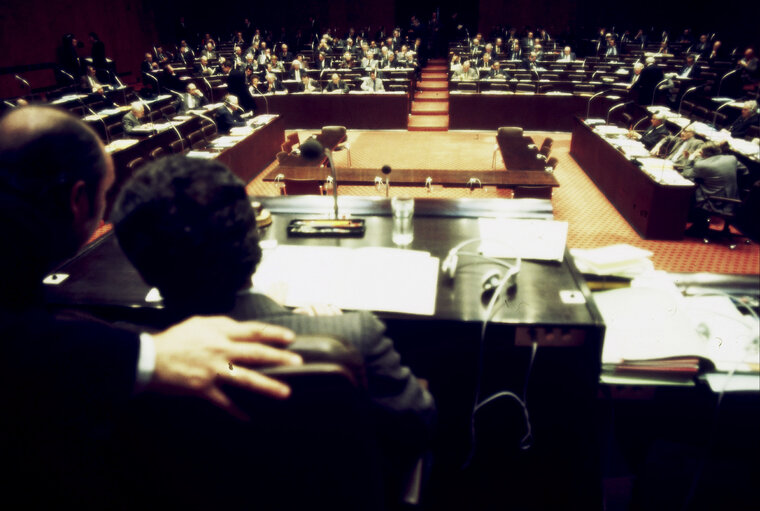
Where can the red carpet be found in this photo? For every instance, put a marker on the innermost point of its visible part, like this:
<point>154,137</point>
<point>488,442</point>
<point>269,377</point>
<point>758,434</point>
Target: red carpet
<point>593,220</point>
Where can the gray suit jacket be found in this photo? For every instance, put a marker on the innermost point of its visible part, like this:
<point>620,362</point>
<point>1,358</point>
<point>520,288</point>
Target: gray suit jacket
<point>715,175</point>
<point>407,411</point>
<point>130,122</point>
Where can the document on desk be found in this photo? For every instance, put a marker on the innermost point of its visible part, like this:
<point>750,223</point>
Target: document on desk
<point>365,278</point>
<point>542,240</point>
<point>654,324</point>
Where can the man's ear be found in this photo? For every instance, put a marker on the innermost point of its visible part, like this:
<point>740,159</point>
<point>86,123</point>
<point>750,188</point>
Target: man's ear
<point>79,202</point>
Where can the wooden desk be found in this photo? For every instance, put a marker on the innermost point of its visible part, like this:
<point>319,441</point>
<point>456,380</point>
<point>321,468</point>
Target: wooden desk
<point>417,177</point>
<point>654,210</point>
<point>530,111</point>
<point>387,110</point>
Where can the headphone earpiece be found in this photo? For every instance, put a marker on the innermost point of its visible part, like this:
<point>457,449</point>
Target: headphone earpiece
<point>490,281</point>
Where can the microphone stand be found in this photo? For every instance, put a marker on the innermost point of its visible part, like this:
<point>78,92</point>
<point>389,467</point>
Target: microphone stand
<point>150,112</point>
<point>720,84</point>
<point>92,112</point>
<point>656,88</point>
<point>209,119</point>
<point>639,122</point>
<point>692,89</point>
<point>613,108</point>
<point>158,85</point>
<point>588,104</point>
<point>24,83</point>
<point>266,101</point>
<point>334,174</point>
<point>715,117</point>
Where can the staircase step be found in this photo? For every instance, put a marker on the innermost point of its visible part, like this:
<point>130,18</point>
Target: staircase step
<point>428,123</point>
<point>434,76</point>
<point>433,95</point>
<point>435,69</point>
<point>430,107</point>
<point>438,85</point>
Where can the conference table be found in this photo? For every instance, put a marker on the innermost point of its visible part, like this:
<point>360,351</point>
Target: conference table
<point>655,210</point>
<point>550,305</point>
<point>355,110</point>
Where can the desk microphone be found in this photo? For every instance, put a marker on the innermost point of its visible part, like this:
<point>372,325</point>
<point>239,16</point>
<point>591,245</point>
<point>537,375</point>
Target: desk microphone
<point>92,112</point>
<point>588,103</point>
<point>312,149</point>
<point>692,89</point>
<point>615,107</point>
<point>715,117</point>
<point>158,85</point>
<point>720,84</point>
<point>266,101</point>
<point>656,88</point>
<point>23,82</point>
<point>386,169</point>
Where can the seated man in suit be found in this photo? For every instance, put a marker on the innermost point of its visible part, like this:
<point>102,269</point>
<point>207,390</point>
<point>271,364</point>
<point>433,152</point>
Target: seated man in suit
<point>466,74</point>
<point>228,115</point>
<point>372,83</point>
<point>209,51</point>
<point>192,98</point>
<point>497,73</point>
<point>203,68</point>
<point>656,131</point>
<point>690,68</point>
<point>531,64</point>
<point>684,151</point>
<point>747,118</point>
<point>133,118</point>
<point>285,56</point>
<point>272,84</point>
<point>714,173</point>
<point>515,52</point>
<point>611,51</point>
<point>308,85</point>
<point>567,55</point>
<point>295,71</point>
<point>68,379</point>
<point>336,85</point>
<point>188,227</point>
<point>90,82</point>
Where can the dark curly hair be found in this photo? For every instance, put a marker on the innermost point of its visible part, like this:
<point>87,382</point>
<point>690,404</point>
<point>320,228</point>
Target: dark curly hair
<point>188,227</point>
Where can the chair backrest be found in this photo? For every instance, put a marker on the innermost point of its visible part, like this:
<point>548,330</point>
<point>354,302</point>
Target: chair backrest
<point>331,136</point>
<point>546,146</point>
<point>317,449</point>
<point>499,86</point>
<point>467,86</point>
<point>196,139</point>
<point>293,138</point>
<point>136,163</point>
<point>156,153</point>
<point>177,146</point>
<point>525,87</point>
<point>551,163</point>
<point>302,186</point>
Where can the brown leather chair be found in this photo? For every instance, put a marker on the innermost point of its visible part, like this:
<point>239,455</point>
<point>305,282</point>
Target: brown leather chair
<point>336,139</point>
<point>302,187</point>
<point>316,450</point>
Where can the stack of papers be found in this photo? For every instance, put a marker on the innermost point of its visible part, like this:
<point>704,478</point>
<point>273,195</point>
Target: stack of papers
<point>619,260</point>
<point>542,240</point>
<point>366,278</point>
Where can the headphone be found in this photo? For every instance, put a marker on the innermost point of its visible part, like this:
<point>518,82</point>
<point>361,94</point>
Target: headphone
<point>493,279</point>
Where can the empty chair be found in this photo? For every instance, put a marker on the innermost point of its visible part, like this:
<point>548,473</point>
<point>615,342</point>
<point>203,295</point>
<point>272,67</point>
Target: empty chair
<point>550,76</point>
<point>576,77</point>
<point>168,111</point>
<point>209,131</point>
<point>583,88</point>
<point>293,138</point>
<point>136,163</point>
<point>546,146</point>
<point>335,138</point>
<point>551,164</point>
<point>522,87</point>
<point>518,151</point>
<point>523,76</point>
<point>157,153</point>
<point>499,86</point>
<point>115,130</point>
<point>177,146</point>
<point>196,139</point>
<point>532,192</point>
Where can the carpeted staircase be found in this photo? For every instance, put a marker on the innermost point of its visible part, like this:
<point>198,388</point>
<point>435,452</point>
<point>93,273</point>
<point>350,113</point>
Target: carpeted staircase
<point>430,105</point>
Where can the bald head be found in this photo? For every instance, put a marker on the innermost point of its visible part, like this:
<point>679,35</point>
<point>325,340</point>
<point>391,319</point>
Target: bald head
<point>54,174</point>
<point>42,149</point>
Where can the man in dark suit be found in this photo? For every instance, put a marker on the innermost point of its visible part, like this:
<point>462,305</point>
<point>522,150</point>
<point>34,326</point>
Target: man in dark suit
<point>647,82</point>
<point>690,68</point>
<point>192,98</point>
<point>272,84</point>
<point>497,73</point>
<point>747,118</point>
<point>133,118</point>
<point>336,84</point>
<point>66,379</point>
<point>567,55</point>
<point>236,86</point>
<point>228,115</point>
<point>174,202</point>
<point>655,132</point>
